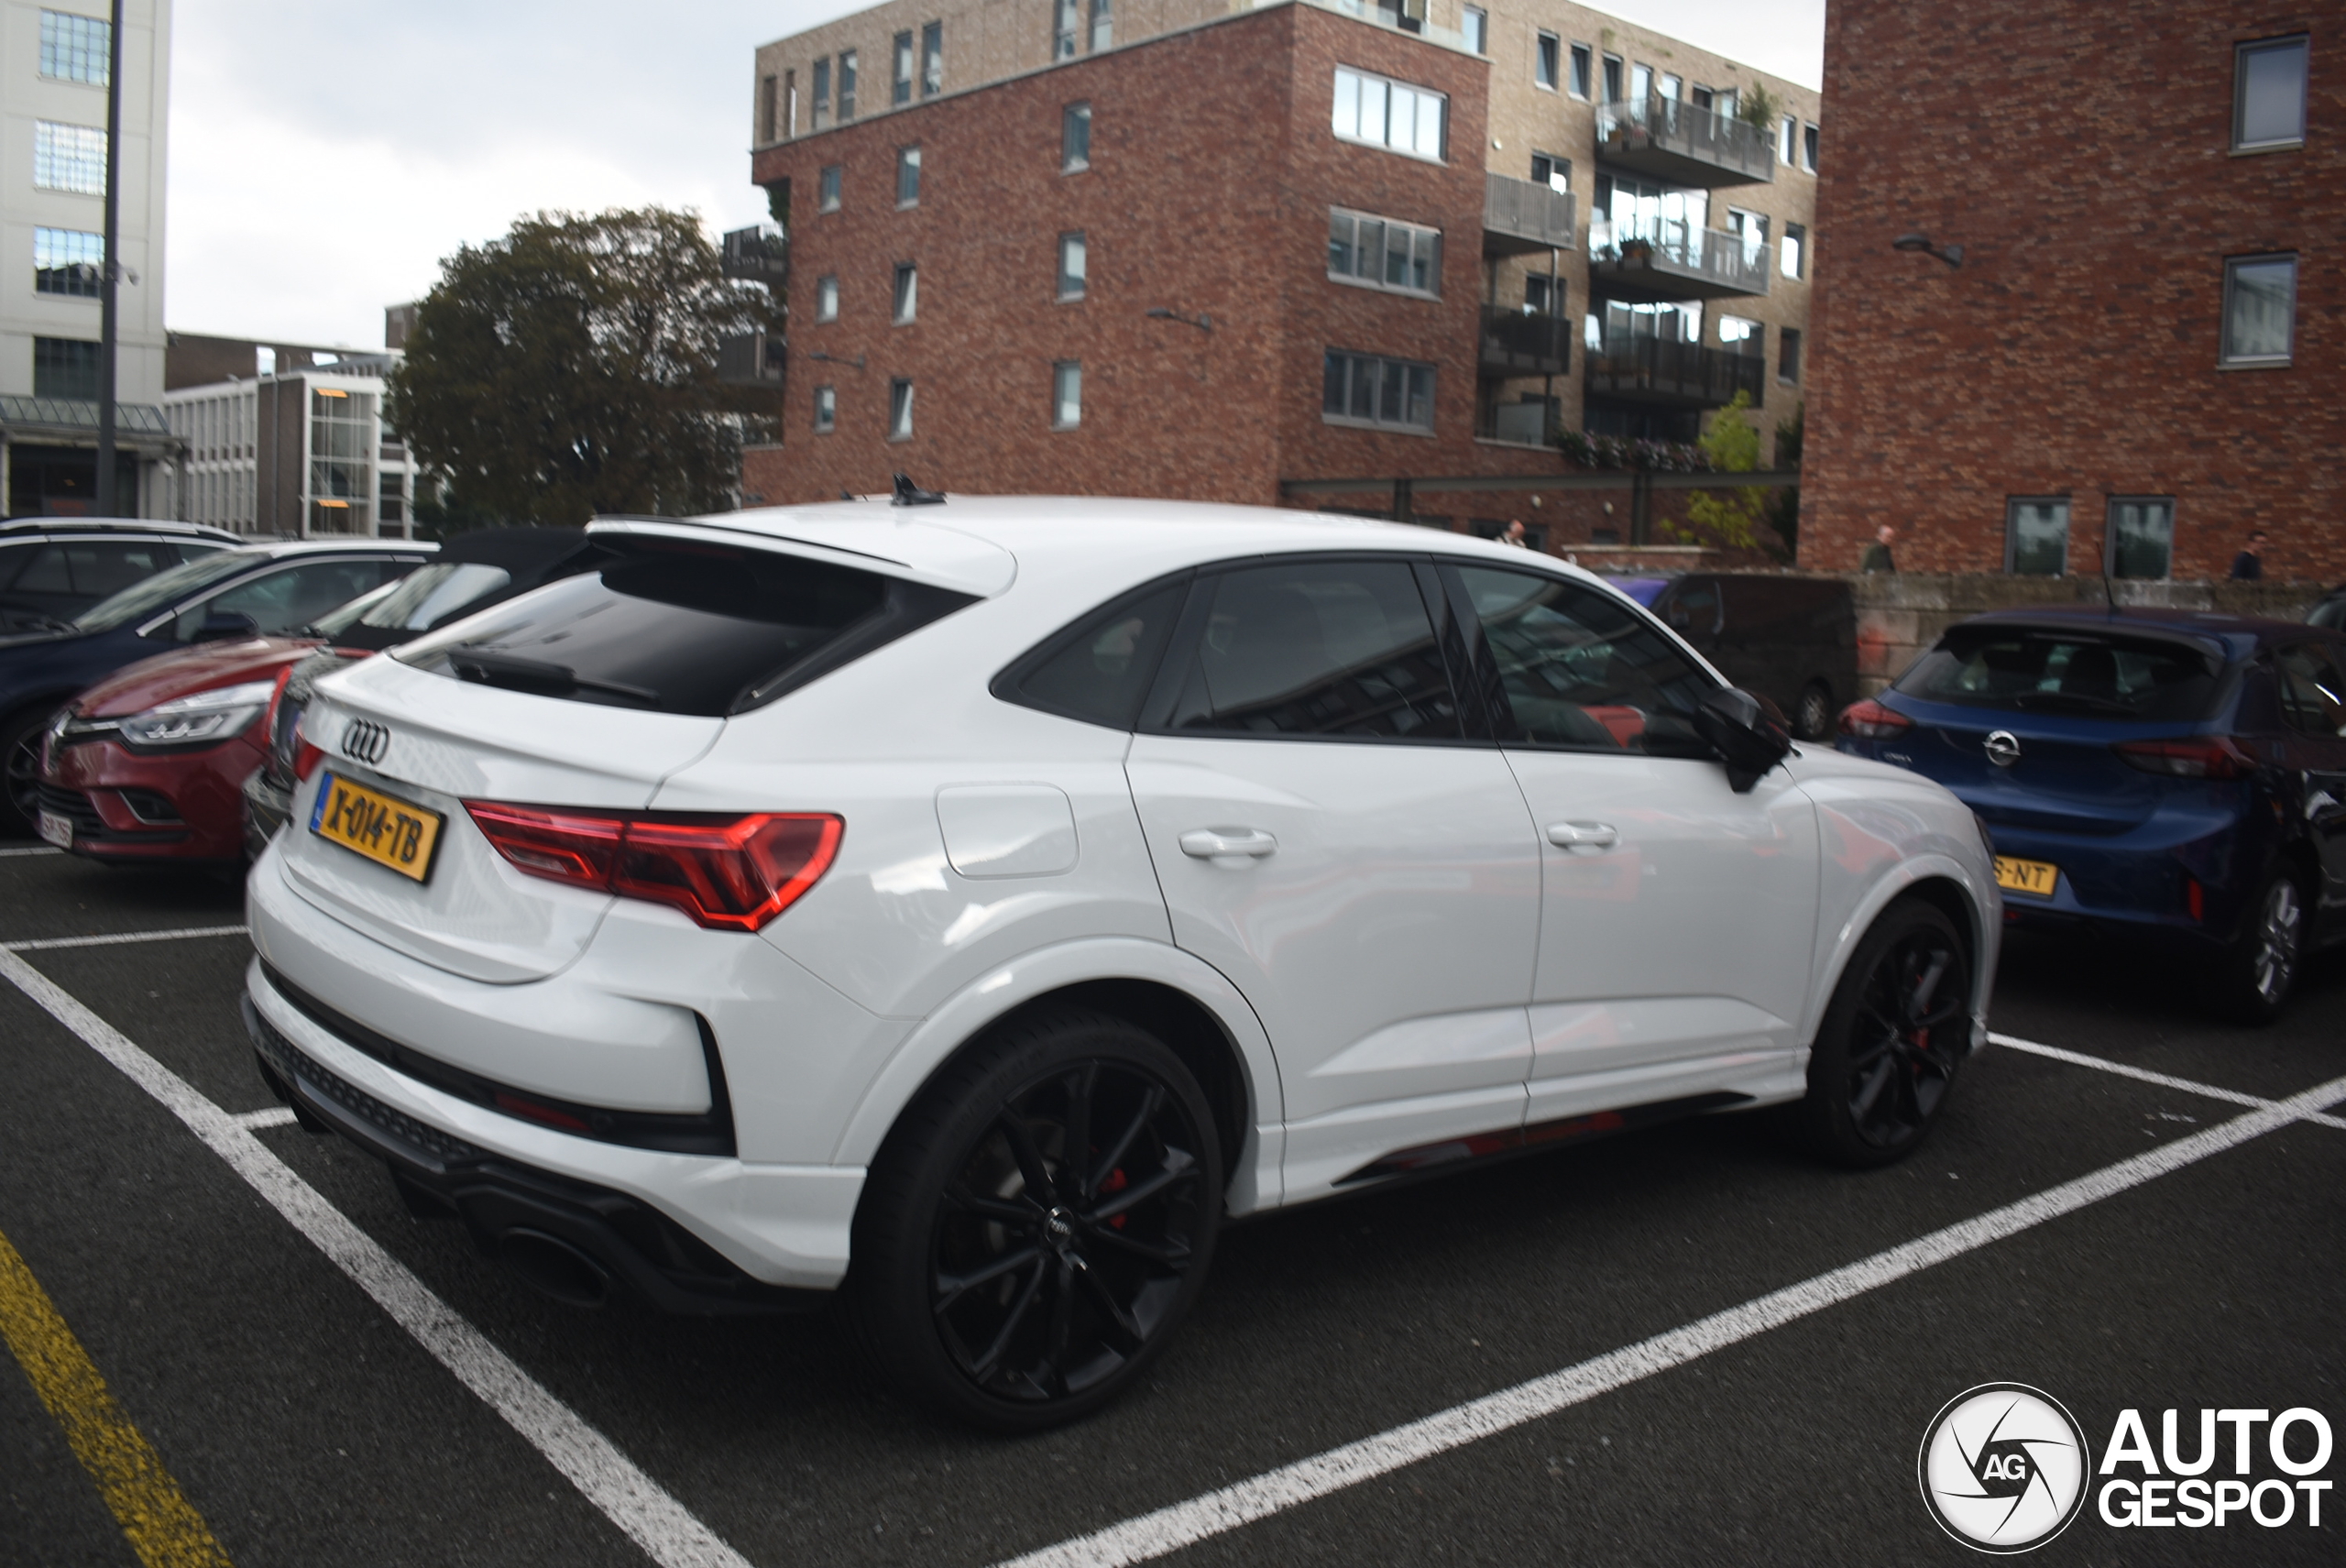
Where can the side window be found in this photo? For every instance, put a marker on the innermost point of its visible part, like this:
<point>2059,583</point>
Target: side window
<point>1331,648</point>
<point>1099,670</point>
<point>46,573</point>
<point>2312,695</point>
<point>290,599</point>
<point>106,566</point>
<point>1694,610</point>
<point>1580,671</point>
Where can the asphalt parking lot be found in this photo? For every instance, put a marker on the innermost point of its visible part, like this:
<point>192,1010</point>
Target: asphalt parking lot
<point>302,1422</point>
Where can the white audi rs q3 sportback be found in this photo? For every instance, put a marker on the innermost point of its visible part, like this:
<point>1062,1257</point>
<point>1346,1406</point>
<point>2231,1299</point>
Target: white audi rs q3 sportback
<point>972,904</point>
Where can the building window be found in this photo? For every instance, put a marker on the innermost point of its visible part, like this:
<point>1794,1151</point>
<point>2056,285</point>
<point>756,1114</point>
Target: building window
<point>1390,114</point>
<point>900,85</point>
<point>2260,309</point>
<point>1612,78</point>
<point>1751,228</point>
<point>1795,251</point>
<point>2037,536</point>
<point>1072,261</point>
<point>1103,30</point>
<point>1808,147</point>
<point>1546,168</point>
<point>1544,61</point>
<point>1640,83</point>
<point>827,188</point>
<point>908,293</point>
<point>1477,28</point>
<point>2269,94</point>
<point>827,299</point>
<point>932,60</point>
<point>1702,97</point>
<point>826,410</point>
<point>1583,62</point>
<point>1071,17</point>
<point>821,111</point>
<point>1788,141</point>
<point>66,261</point>
<point>74,49</point>
<point>1543,296</point>
<point>68,157</point>
<point>1075,138</point>
<point>1742,335</point>
<point>1066,395</point>
<point>65,367</point>
<point>1383,254</point>
<point>2139,541</point>
<point>393,507</point>
<point>908,177</point>
<point>847,85</point>
<point>1788,344</point>
<point>900,409</point>
<point>790,102</point>
<point>768,95</point>
<point>1365,389</point>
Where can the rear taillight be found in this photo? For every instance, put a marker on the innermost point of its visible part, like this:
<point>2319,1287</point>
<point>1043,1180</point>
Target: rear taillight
<point>1869,720</point>
<point>730,874</point>
<point>306,754</point>
<point>2195,757</point>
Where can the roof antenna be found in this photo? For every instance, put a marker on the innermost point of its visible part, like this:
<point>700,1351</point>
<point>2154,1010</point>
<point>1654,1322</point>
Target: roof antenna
<point>911,495</point>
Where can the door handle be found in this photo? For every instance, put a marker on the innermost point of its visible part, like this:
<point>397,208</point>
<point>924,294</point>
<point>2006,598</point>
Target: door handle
<point>1583,834</point>
<point>1228,843</point>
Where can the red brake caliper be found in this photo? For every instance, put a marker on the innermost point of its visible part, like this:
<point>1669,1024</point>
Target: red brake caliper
<point>1117,1181</point>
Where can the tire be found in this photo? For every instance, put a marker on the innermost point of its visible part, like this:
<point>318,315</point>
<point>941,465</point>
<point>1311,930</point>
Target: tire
<point>1813,716</point>
<point>2254,979</point>
<point>994,1282</point>
<point>21,754</point>
<point>1897,1029</point>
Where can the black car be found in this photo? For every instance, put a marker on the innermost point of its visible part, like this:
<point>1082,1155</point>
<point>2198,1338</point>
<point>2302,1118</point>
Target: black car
<point>473,572</point>
<point>257,588</point>
<point>1790,639</point>
<point>53,569</point>
<point>2331,612</point>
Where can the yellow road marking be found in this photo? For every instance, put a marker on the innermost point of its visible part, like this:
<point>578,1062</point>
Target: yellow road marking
<point>163,1526</point>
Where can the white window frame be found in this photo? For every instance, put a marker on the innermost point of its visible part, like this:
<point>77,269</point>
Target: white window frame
<point>1071,242</point>
<point>1809,137</point>
<point>1069,163</point>
<point>1580,73</point>
<point>2225,358</point>
<point>1416,231</point>
<point>903,295</point>
<point>1359,82</point>
<point>827,298</point>
<point>1063,372</point>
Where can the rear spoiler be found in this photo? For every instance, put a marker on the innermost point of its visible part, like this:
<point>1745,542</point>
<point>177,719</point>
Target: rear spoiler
<point>1965,635</point>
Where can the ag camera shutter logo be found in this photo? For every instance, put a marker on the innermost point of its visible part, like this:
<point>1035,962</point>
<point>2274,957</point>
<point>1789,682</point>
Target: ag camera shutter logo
<point>2003,1467</point>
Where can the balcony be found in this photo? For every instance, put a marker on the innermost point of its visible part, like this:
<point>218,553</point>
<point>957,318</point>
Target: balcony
<point>1676,261</point>
<point>1517,343</point>
<point>1660,372</point>
<point>751,360</point>
<point>1519,217</point>
<point>1678,144</point>
<point>757,254</point>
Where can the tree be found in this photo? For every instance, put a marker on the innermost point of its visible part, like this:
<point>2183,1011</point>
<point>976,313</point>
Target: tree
<point>570,369</point>
<point>1730,517</point>
<point>1758,108</point>
<point>1783,507</point>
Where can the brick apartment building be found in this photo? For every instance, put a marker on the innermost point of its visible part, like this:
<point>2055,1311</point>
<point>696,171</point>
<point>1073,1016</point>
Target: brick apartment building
<point>2138,360</point>
<point>1031,248</point>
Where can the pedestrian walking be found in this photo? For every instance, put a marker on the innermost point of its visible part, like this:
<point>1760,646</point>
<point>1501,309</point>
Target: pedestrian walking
<point>1514,535</point>
<point>2247,567</point>
<point>1877,555</point>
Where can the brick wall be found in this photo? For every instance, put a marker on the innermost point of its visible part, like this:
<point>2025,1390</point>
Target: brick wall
<point>2078,151</point>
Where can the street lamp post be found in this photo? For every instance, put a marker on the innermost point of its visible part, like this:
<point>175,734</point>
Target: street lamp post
<point>109,283</point>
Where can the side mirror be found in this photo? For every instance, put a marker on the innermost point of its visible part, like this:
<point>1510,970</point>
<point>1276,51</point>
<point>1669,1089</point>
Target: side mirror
<point>1746,733</point>
<point>220,626</point>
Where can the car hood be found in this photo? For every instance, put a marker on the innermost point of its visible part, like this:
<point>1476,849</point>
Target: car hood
<point>183,672</point>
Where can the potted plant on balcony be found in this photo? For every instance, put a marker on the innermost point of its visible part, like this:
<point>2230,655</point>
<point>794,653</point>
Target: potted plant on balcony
<point>1637,251</point>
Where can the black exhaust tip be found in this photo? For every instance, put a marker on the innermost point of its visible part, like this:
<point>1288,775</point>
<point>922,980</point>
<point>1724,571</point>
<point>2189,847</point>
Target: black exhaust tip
<point>556,1267</point>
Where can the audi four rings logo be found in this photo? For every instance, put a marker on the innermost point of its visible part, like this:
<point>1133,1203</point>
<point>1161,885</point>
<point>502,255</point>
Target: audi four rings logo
<point>2002,748</point>
<point>2004,1467</point>
<point>363,740</point>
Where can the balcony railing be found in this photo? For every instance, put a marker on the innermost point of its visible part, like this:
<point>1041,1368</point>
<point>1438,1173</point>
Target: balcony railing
<point>1675,375</point>
<point>1517,343</point>
<point>757,254</point>
<point>751,360</point>
<point>1520,216</point>
<point>1676,261</point>
<point>1680,145</point>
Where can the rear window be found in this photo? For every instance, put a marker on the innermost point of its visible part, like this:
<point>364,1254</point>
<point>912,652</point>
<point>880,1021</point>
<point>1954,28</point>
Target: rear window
<point>682,627</point>
<point>2066,671</point>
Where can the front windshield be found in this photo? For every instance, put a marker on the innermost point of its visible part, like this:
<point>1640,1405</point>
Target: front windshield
<point>165,588</point>
<point>342,617</point>
<point>434,594</point>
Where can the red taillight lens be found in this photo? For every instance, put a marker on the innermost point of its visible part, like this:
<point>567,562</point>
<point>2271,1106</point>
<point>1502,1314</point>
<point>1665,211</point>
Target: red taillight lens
<point>731,873</point>
<point>306,755</point>
<point>1869,720</point>
<point>2197,757</point>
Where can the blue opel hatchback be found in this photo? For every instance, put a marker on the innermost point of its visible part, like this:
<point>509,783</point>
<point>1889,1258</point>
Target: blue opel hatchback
<point>2180,777</point>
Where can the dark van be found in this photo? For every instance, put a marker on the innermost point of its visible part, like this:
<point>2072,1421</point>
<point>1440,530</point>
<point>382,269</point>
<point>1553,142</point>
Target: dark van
<point>1790,639</point>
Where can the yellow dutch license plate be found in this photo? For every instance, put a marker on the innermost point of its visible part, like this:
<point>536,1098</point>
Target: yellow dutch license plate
<point>2026,876</point>
<point>387,831</point>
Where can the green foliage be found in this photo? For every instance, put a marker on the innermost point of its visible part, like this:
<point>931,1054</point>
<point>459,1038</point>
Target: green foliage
<point>1758,108</point>
<point>1729,517</point>
<point>570,369</point>
<point>1783,506</point>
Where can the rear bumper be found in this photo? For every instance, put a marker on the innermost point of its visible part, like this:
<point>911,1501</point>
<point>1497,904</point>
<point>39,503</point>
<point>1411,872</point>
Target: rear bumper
<point>267,810</point>
<point>174,806</point>
<point>2141,881</point>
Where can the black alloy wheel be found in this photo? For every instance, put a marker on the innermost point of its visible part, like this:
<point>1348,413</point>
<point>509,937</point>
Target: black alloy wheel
<point>20,748</point>
<point>2254,979</point>
<point>1898,1026</point>
<point>1812,719</point>
<point>1039,1223</point>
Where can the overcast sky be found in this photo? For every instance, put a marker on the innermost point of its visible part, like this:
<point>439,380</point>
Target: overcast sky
<point>325,156</point>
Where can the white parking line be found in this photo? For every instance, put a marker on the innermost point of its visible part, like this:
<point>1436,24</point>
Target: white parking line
<point>1185,1524</point>
<point>260,1121</point>
<point>35,849</point>
<point>633,1500</point>
<point>118,938</point>
<point>2144,1075</point>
